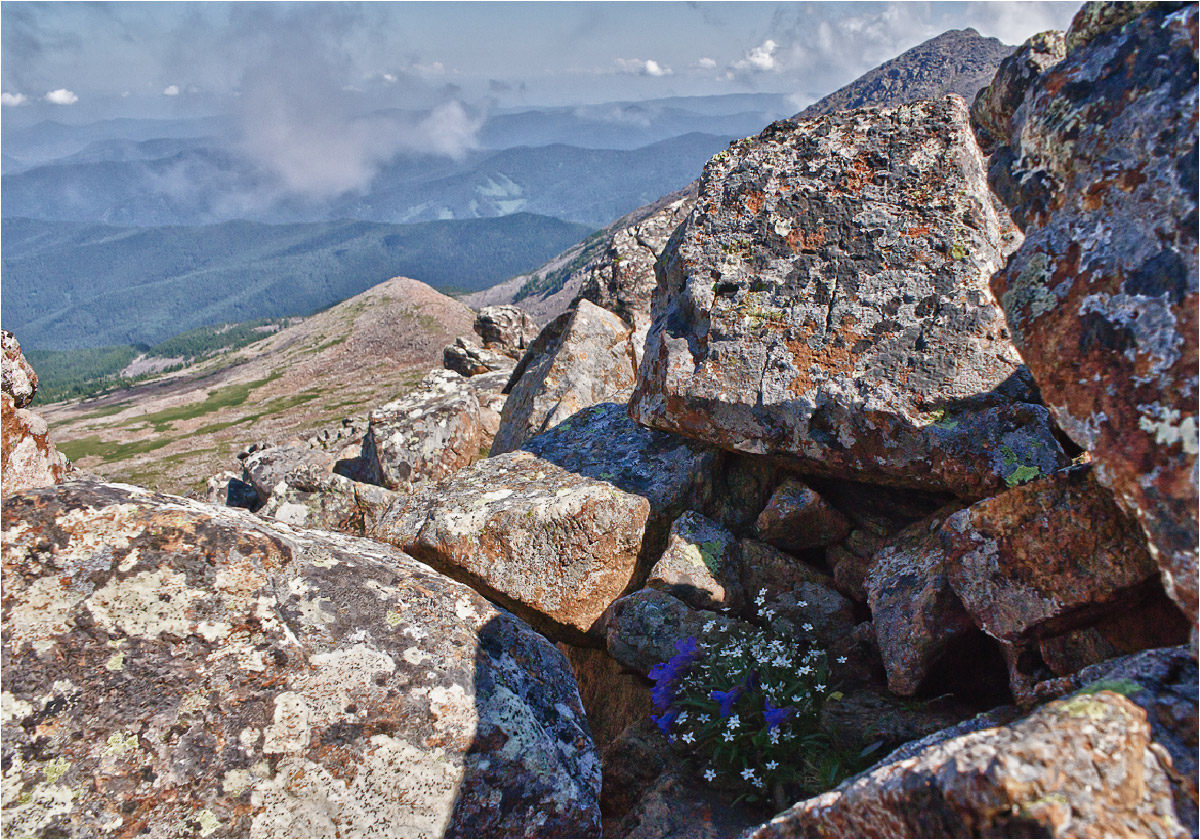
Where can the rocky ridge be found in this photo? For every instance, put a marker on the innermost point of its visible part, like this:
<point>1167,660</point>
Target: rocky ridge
<point>832,435</point>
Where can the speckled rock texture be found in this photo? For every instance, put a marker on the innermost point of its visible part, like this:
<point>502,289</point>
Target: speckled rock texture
<point>274,467</point>
<point>1084,766</point>
<point>557,531</point>
<point>429,433</point>
<point>700,565</point>
<point>17,378</point>
<point>916,613</point>
<point>1045,557</point>
<point>27,456</point>
<point>680,804</point>
<point>330,502</point>
<point>827,301</point>
<point>797,518</point>
<point>505,329</point>
<point>623,279</point>
<point>866,716</point>
<point>1102,296</point>
<point>178,669</point>
<point>590,362</point>
<point>993,109</point>
<point>642,628</point>
<point>466,358</point>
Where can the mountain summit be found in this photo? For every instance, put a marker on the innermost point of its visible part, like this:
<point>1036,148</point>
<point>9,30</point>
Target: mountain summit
<point>958,61</point>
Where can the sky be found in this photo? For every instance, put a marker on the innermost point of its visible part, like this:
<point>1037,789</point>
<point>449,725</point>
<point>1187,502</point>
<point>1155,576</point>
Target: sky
<point>75,62</point>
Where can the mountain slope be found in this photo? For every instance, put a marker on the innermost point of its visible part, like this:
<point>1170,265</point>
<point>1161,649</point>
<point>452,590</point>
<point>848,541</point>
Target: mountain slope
<point>959,61</point>
<point>145,285</point>
<point>172,433</point>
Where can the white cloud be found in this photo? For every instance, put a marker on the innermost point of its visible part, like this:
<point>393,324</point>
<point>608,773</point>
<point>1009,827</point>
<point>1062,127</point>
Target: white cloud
<point>706,63</point>
<point>62,96</point>
<point>761,59</point>
<point>639,67</point>
<point>171,90</point>
<point>13,99</point>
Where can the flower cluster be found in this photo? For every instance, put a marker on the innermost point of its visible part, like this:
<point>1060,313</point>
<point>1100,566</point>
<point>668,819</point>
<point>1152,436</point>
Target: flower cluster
<point>745,703</point>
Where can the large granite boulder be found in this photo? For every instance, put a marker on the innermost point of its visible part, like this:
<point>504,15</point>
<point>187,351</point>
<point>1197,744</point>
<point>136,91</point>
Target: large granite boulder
<point>558,530</point>
<point>993,109</point>
<point>429,433</point>
<point>1102,297</point>
<point>827,301</point>
<point>331,502</point>
<point>505,329</point>
<point>1116,759</point>
<point>1046,557</point>
<point>17,378</point>
<point>589,362</point>
<point>467,358</point>
<point>173,668</point>
<point>272,466</point>
<point>27,457</point>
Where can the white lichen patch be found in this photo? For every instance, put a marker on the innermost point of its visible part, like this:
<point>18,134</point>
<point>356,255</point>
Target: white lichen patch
<point>415,656</point>
<point>248,737</point>
<point>42,612</point>
<point>150,603</point>
<point>116,662</point>
<point>13,709</point>
<point>236,781</point>
<point>131,560</point>
<point>289,730</point>
<point>292,513</point>
<point>1168,429</point>
<point>30,812</point>
<point>453,709</point>
<point>107,529</point>
<point>464,608</point>
<point>208,822</point>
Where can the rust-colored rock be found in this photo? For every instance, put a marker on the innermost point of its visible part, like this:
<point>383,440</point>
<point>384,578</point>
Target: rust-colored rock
<point>17,378</point>
<point>27,457</point>
<point>797,518</point>
<point>827,302</point>
<point>993,109</point>
<point>1102,298</point>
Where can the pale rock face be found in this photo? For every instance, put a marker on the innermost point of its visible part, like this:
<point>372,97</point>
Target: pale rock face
<point>827,301</point>
<point>505,329</point>
<point>17,378</point>
<point>197,670</point>
<point>27,457</point>
<point>429,433</point>
<point>1114,759</point>
<point>273,466</point>
<point>1102,298</point>
<point>331,502</point>
<point>700,565</point>
<point>589,361</point>
<point>467,358</point>
<point>558,530</point>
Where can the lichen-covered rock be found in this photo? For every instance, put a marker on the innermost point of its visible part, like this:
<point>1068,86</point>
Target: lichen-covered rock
<point>331,502</point>
<point>467,358</point>
<point>613,697</point>
<point>700,565</point>
<point>27,456</point>
<point>176,669</point>
<point>827,301</point>
<point>851,562</point>
<point>623,280</point>
<point>1040,559</point>
<point>1102,297</point>
<point>869,716</point>
<point>797,518</point>
<point>1099,16</point>
<point>555,531</point>
<point>505,329</point>
<point>227,488</point>
<point>641,629</point>
<point>426,435</point>
<point>1085,766</point>
<point>273,466</point>
<point>916,613</point>
<point>680,804</point>
<point>17,378</point>
<point>993,109</point>
<point>590,362</point>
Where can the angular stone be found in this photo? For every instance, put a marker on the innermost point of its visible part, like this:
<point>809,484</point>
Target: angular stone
<point>555,531</point>
<point>1102,298</point>
<point>916,613</point>
<point>797,518</point>
<point>227,488</point>
<point>27,457</point>
<point>827,302</point>
<point>590,362</point>
<point>632,763</point>
<point>17,378</point>
<point>680,804</point>
<point>330,502</point>
<point>506,329</point>
<point>866,716</point>
<point>700,566</point>
<point>1045,557</point>
<point>273,466</point>
<point>177,668</point>
<point>641,629</point>
<point>851,562</point>
<point>766,567</point>
<point>467,358</point>
<point>797,599</point>
<point>993,109</point>
<point>1085,766</point>
<point>426,435</point>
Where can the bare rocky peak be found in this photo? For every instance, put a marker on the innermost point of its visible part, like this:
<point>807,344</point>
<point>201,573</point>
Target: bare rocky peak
<point>959,61</point>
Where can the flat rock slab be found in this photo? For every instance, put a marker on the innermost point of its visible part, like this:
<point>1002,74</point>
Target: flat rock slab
<point>559,530</point>
<point>1045,557</point>
<point>1102,298</point>
<point>589,362</point>
<point>1089,765</point>
<point>827,301</point>
<point>173,668</point>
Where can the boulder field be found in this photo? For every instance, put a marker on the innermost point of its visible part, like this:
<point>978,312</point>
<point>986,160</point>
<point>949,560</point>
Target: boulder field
<point>911,388</point>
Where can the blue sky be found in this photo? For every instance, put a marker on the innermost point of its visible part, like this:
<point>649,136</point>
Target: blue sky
<point>81,61</point>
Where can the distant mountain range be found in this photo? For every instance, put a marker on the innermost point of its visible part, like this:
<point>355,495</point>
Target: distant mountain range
<point>73,285</point>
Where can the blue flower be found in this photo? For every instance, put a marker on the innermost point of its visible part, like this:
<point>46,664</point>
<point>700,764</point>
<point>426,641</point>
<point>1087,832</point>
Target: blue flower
<point>774,716</point>
<point>662,695</point>
<point>726,699</point>
<point>687,647</point>
<point>665,720</point>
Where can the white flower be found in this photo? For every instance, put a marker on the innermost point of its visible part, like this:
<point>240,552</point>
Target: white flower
<point>771,765</point>
<point>728,736</point>
<point>688,738</point>
<point>709,626</point>
<point>774,736</point>
<point>733,722</point>
<point>705,718</point>
<point>710,774</point>
<point>769,613</point>
<point>796,698</point>
<point>820,686</point>
<point>802,603</point>
<point>841,660</point>
<point>682,717</point>
<point>748,774</point>
<point>806,626</point>
<point>804,669</point>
